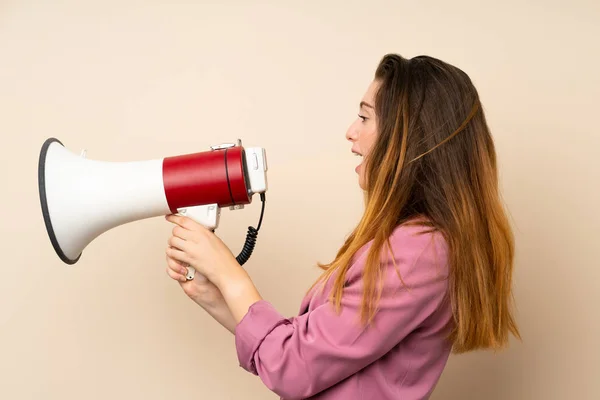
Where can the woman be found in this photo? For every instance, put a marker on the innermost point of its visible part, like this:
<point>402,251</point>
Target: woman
<point>427,270</point>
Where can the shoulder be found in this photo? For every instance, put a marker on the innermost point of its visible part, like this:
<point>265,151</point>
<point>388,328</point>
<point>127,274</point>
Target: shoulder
<point>420,253</point>
<point>419,243</point>
<point>416,252</point>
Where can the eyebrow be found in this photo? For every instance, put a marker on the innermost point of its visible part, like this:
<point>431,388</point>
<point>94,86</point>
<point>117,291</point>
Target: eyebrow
<point>365,104</point>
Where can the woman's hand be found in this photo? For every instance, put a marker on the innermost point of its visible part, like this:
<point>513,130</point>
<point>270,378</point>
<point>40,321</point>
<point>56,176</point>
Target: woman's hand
<point>198,247</point>
<point>193,244</point>
<point>202,291</point>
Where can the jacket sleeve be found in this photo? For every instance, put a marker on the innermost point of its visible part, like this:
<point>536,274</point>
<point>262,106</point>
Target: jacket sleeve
<point>301,356</point>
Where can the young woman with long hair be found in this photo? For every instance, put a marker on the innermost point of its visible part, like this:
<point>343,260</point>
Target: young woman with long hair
<point>426,272</point>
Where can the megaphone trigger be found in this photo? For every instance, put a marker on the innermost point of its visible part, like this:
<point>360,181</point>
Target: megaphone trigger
<point>207,215</point>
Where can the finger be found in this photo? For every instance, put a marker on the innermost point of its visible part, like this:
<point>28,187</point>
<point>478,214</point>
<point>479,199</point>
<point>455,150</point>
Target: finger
<point>175,275</point>
<point>182,233</point>
<point>184,222</point>
<point>176,266</point>
<point>178,243</point>
<point>178,255</point>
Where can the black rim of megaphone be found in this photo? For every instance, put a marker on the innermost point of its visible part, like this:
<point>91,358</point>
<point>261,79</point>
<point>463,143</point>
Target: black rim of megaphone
<point>44,202</point>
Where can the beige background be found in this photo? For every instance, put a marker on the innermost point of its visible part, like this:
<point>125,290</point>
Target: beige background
<point>134,80</point>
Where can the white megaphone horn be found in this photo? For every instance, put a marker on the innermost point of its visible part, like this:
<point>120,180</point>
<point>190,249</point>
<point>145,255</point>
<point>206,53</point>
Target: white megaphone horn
<point>83,198</point>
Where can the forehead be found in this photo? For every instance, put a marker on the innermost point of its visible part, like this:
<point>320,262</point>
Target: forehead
<point>369,96</point>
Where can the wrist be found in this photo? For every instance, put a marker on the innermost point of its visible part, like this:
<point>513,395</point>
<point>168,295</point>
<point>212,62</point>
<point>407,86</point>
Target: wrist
<point>207,297</point>
<point>238,291</point>
<point>233,281</point>
<point>227,273</point>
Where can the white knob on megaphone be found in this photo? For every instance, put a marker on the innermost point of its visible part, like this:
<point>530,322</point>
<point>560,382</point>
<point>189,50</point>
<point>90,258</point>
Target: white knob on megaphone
<point>82,198</point>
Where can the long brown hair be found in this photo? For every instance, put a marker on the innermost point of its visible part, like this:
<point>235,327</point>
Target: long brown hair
<point>434,160</point>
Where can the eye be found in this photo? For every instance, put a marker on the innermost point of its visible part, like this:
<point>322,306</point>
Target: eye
<point>362,117</point>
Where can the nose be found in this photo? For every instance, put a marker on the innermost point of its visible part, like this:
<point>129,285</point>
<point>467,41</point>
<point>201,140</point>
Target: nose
<point>352,133</point>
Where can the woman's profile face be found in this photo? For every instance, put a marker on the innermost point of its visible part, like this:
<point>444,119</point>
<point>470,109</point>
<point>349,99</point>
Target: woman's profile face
<point>363,131</point>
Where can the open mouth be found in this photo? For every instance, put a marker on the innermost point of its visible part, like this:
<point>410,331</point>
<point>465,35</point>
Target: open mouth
<point>357,154</point>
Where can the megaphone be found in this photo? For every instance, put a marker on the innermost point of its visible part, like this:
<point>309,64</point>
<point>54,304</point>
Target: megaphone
<point>83,198</point>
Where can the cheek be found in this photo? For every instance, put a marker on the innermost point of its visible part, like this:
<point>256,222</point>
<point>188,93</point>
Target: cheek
<point>368,139</point>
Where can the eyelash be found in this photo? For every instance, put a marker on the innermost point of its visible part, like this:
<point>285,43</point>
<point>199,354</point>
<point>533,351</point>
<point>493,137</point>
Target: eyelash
<point>362,117</point>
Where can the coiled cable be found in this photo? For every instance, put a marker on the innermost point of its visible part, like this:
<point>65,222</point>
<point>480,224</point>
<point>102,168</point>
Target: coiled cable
<point>251,236</point>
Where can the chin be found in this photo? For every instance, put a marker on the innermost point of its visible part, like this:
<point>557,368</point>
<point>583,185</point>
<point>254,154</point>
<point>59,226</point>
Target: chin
<point>361,184</point>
